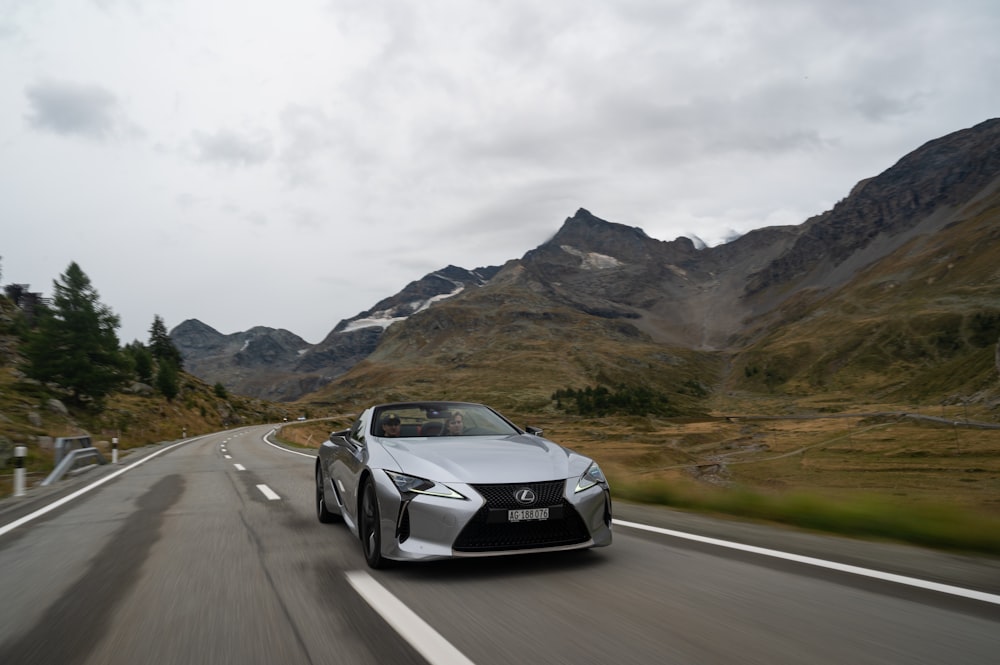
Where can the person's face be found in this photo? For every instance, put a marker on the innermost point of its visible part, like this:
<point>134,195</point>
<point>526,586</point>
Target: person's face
<point>391,429</point>
<point>455,424</point>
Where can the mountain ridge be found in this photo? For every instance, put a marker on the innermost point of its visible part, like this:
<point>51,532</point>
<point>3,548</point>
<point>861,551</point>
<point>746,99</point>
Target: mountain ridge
<point>672,295</point>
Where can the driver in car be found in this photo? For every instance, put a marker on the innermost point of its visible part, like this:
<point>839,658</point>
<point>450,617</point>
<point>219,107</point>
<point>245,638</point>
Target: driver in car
<point>390,425</point>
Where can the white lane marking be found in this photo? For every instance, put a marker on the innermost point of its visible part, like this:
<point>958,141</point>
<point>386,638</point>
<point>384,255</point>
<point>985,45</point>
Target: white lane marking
<point>822,563</point>
<point>425,640</point>
<point>268,492</point>
<point>283,449</point>
<point>228,456</point>
<point>6,528</point>
<point>240,467</point>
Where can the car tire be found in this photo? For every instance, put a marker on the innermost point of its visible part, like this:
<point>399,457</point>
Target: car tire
<point>322,514</point>
<point>370,530</point>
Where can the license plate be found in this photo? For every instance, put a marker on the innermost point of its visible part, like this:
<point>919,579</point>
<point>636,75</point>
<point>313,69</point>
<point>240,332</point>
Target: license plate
<point>527,514</point>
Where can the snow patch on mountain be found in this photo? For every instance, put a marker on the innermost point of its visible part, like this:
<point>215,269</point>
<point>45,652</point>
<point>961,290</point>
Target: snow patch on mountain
<point>592,260</point>
<point>386,317</point>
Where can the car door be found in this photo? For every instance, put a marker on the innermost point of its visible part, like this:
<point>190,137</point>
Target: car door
<point>346,465</point>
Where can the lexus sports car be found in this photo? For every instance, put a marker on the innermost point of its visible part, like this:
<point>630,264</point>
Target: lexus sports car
<point>430,480</point>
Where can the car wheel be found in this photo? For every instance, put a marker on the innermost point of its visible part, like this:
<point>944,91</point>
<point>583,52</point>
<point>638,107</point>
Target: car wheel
<point>322,514</point>
<point>370,531</point>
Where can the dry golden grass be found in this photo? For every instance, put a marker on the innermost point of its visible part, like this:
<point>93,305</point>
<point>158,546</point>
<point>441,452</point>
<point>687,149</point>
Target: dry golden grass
<point>836,455</point>
<point>885,476</point>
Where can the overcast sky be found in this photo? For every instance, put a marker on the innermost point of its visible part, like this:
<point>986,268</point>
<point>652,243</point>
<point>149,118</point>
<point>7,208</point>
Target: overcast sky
<point>288,164</point>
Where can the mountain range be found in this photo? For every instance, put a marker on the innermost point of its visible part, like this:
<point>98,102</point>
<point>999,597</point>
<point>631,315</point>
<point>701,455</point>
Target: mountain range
<point>894,292</point>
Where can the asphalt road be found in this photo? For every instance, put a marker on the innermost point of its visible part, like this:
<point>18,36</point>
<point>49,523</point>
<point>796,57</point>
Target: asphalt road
<point>188,558</point>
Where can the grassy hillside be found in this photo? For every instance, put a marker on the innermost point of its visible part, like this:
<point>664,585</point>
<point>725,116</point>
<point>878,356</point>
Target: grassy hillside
<point>921,326</point>
<point>506,346</point>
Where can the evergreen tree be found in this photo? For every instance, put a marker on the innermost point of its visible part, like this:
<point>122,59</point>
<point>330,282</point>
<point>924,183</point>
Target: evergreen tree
<point>75,344</point>
<point>167,380</point>
<point>142,361</point>
<point>161,346</point>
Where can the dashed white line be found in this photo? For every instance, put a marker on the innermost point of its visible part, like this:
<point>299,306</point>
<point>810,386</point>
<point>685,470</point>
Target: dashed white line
<point>268,492</point>
<point>228,456</point>
<point>240,467</point>
<point>424,639</point>
<point>822,563</point>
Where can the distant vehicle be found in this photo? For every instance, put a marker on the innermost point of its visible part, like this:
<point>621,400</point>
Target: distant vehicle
<point>301,418</point>
<point>412,489</point>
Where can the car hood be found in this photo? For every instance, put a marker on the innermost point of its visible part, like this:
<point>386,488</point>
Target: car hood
<point>484,459</point>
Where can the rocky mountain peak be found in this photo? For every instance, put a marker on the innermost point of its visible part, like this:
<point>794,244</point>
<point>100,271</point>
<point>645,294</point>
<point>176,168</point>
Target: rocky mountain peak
<point>585,232</point>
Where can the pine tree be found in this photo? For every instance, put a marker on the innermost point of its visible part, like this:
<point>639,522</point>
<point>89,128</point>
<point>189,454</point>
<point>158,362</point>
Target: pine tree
<point>142,361</point>
<point>75,344</point>
<point>161,346</point>
<point>168,380</point>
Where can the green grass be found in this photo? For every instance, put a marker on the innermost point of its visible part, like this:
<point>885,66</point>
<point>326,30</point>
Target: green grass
<point>939,511</point>
<point>932,525</point>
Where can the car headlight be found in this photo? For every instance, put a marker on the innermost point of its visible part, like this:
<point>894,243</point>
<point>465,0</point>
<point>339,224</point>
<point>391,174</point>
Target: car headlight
<point>407,484</point>
<point>592,476</point>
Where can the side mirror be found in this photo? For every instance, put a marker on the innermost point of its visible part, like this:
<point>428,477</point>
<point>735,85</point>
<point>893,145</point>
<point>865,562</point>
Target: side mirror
<point>533,430</point>
<point>342,434</point>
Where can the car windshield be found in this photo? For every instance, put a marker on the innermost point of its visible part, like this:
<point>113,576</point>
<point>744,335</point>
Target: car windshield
<point>422,419</point>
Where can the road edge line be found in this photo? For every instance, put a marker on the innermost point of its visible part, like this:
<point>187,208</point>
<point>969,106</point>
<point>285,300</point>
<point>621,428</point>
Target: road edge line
<point>823,563</point>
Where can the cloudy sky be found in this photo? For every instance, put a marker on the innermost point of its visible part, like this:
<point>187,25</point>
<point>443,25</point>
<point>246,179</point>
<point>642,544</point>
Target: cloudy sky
<point>288,164</point>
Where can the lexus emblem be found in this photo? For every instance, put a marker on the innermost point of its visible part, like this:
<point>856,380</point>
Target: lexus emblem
<point>524,496</point>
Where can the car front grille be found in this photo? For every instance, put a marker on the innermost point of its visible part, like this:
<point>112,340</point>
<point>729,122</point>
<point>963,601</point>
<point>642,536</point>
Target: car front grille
<point>481,534</point>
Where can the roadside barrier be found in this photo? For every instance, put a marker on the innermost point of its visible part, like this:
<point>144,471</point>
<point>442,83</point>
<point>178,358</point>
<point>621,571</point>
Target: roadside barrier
<point>70,461</point>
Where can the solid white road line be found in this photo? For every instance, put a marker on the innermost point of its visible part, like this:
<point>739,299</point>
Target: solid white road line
<point>283,449</point>
<point>268,492</point>
<point>821,563</point>
<point>424,639</point>
<point>240,467</point>
<point>6,528</point>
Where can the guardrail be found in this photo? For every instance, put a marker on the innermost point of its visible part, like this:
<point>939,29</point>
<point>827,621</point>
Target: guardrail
<point>64,444</point>
<point>70,460</point>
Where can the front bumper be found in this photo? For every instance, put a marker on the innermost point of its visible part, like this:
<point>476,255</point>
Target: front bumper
<point>419,527</point>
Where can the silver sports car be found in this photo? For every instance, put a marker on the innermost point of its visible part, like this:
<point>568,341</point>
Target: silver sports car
<point>428,480</point>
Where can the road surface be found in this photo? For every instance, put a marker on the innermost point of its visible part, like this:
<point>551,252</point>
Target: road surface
<point>208,551</point>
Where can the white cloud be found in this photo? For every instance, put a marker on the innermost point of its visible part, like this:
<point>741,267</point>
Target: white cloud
<point>233,148</point>
<point>297,162</point>
<point>72,109</point>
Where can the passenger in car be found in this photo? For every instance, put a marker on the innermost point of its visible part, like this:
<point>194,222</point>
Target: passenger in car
<point>455,426</point>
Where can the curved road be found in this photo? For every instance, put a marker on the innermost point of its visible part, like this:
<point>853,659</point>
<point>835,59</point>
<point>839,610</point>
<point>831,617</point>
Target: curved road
<point>207,551</point>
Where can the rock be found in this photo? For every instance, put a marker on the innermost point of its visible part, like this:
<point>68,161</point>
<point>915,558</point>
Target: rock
<point>141,389</point>
<point>55,406</point>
